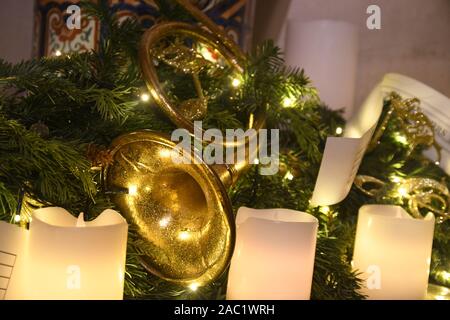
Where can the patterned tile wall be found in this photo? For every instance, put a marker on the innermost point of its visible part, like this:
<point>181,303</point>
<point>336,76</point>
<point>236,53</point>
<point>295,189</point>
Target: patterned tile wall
<point>52,34</point>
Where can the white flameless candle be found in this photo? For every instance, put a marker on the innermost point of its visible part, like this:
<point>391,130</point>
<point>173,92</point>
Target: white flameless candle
<point>328,51</point>
<point>393,252</point>
<point>68,258</point>
<point>274,255</point>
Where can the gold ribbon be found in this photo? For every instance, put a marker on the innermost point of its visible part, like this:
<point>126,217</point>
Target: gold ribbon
<point>420,193</point>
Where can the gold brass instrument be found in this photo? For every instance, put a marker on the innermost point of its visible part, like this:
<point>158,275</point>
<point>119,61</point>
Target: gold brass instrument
<point>182,211</point>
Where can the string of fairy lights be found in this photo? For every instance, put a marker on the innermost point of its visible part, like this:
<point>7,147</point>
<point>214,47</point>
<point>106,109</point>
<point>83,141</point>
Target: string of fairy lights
<point>399,191</point>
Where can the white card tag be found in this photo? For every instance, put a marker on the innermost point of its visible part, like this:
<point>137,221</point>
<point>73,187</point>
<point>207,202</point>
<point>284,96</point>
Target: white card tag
<point>342,155</point>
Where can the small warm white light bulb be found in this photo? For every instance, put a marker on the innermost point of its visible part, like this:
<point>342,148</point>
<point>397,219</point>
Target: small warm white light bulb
<point>325,209</point>
<point>288,102</point>
<point>402,192</point>
<point>145,97</point>
<point>164,222</point>
<point>132,190</point>
<point>289,176</point>
<point>395,179</point>
<point>256,161</point>
<point>165,153</point>
<point>236,82</point>
<point>437,163</point>
<point>17,218</point>
<point>339,130</point>
<point>401,139</point>
<point>207,53</point>
<point>184,235</point>
<point>58,53</point>
<point>194,286</point>
<point>446,275</point>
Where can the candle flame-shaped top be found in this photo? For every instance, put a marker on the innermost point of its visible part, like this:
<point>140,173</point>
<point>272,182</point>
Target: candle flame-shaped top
<point>80,220</point>
<point>61,218</point>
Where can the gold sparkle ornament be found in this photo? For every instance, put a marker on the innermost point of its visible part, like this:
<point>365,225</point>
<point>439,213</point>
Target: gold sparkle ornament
<point>420,194</point>
<point>193,109</point>
<point>415,127</point>
<point>184,59</point>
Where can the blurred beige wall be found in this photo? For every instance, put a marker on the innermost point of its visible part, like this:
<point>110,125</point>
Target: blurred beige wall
<point>16,24</point>
<point>414,39</point>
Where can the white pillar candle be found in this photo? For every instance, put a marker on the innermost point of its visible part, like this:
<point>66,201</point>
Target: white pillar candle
<point>68,258</point>
<point>328,51</point>
<point>393,252</point>
<point>274,255</point>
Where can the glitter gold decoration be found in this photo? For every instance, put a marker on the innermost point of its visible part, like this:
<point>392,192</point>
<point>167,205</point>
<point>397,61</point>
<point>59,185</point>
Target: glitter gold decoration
<point>420,193</point>
<point>414,124</point>
<point>183,58</point>
<point>182,211</point>
<point>193,109</point>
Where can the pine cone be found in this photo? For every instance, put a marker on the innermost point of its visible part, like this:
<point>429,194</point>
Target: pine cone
<point>41,129</point>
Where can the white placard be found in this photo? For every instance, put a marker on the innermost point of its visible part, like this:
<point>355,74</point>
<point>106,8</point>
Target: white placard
<point>342,155</point>
<point>433,103</point>
<point>12,242</point>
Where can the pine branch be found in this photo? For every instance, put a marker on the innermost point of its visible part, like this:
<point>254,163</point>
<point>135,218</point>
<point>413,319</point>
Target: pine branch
<point>50,170</point>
